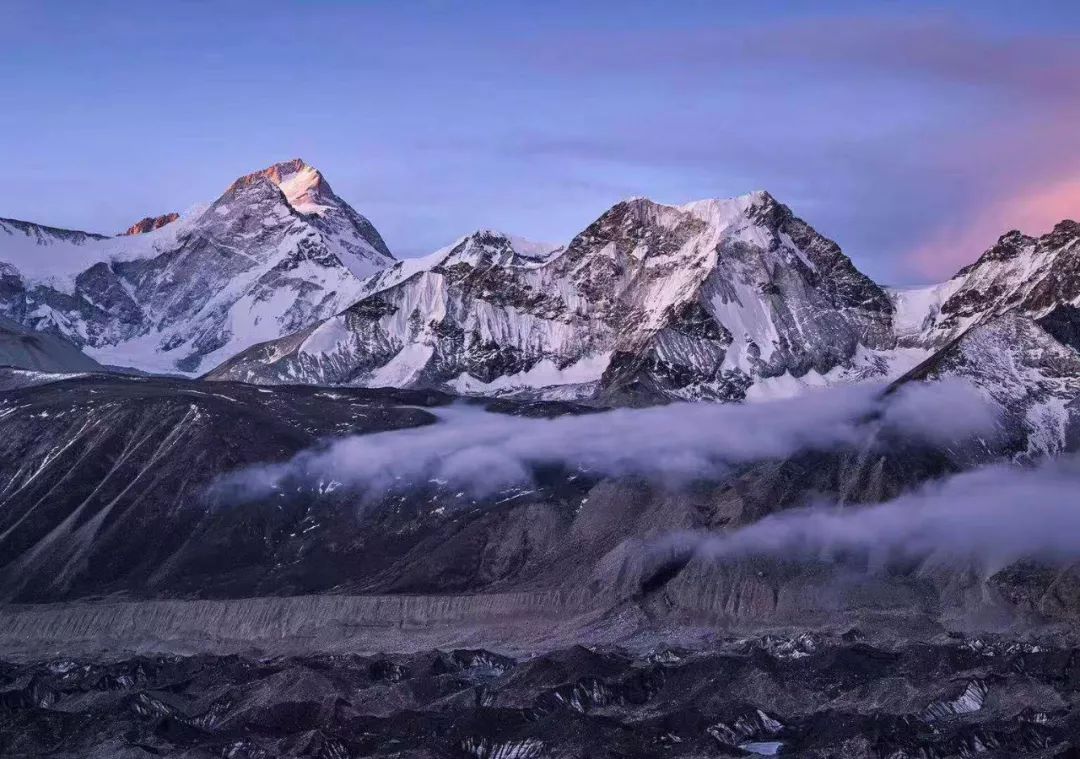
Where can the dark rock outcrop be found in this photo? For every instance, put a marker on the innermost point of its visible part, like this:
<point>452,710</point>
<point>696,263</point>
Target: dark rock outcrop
<point>150,223</point>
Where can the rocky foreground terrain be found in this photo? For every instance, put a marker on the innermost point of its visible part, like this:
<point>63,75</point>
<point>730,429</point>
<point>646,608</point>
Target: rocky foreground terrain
<point>808,696</point>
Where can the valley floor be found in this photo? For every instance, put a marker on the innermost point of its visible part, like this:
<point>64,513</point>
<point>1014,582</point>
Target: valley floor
<point>804,696</point>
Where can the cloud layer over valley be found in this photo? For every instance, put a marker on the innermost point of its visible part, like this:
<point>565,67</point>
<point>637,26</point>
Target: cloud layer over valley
<point>986,518</point>
<point>481,453</point>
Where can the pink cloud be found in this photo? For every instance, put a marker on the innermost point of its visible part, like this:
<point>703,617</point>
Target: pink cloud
<point>985,145</point>
<point>1033,211</point>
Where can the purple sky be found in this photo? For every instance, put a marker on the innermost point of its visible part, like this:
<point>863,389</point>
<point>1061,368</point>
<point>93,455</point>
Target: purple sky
<point>912,135</point>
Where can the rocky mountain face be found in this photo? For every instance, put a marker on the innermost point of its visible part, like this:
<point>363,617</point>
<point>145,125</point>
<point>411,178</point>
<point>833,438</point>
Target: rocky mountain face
<point>530,619</point>
<point>277,252</point>
<point>1038,278</point>
<point>150,223</point>
<point>720,300</point>
<point>86,462</point>
<point>1008,323</point>
<point>280,281</point>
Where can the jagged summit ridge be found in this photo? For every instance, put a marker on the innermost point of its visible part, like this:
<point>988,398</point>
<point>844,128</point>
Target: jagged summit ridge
<point>280,280</point>
<point>650,300</point>
<point>723,299</point>
<point>150,223</point>
<point>1032,276</point>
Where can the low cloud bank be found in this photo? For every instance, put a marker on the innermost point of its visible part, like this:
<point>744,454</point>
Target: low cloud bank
<point>985,519</point>
<point>482,453</point>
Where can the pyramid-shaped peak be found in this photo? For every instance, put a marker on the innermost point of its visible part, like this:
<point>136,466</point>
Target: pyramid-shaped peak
<point>303,186</point>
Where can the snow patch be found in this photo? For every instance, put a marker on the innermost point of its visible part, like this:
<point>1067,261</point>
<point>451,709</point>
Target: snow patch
<point>543,375</point>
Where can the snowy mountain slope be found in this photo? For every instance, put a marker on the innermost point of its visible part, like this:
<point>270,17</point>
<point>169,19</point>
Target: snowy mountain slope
<point>348,235</point>
<point>1035,276</point>
<point>42,251</point>
<point>1032,375</point>
<point>694,301</point>
<point>280,281</point>
<point>278,251</point>
<point>1009,323</point>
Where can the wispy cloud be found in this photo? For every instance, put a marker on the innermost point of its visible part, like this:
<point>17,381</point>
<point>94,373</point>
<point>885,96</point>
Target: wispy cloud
<point>482,453</point>
<point>983,520</point>
<point>1033,210</point>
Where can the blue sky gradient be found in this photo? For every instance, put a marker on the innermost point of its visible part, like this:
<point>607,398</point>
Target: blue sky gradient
<point>912,133</point>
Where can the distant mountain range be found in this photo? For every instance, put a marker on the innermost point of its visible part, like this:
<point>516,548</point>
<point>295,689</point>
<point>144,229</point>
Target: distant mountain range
<point>279,281</point>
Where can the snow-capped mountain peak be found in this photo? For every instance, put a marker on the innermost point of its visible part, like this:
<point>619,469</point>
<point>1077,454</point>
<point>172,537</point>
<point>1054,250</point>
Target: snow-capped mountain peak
<point>483,248</point>
<point>722,298</point>
<point>347,234</point>
<point>276,252</point>
<point>493,248</point>
<point>724,211</point>
<point>1030,275</point>
<point>716,212</point>
<point>303,186</point>
<point>650,300</point>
